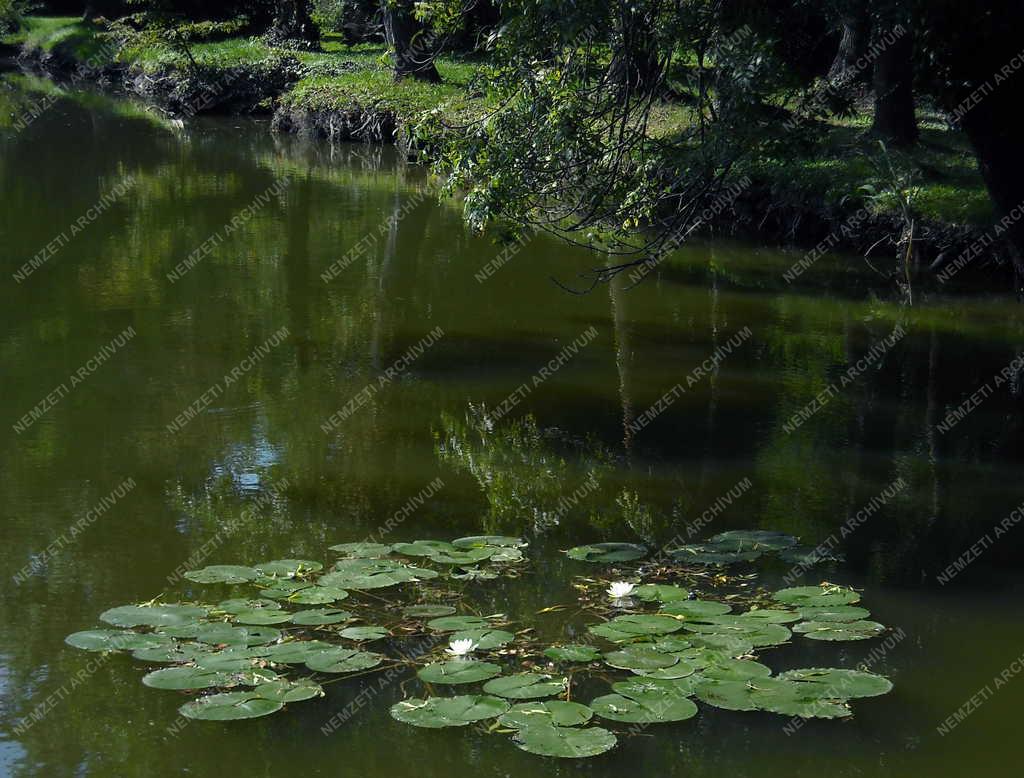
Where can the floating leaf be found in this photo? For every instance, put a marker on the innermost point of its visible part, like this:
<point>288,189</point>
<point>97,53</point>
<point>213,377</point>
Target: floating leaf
<point>284,690</point>
<point>475,574</point>
<point>152,615</point>
<point>241,605</point>
<point>373,574</point>
<point>789,698</point>
<point>342,660</point>
<point>229,574</point>
<point>839,684</point>
<point>288,568</point>
<point>565,742</point>
<point>438,712</point>
<point>835,613</point>
<point>728,695</point>
<point>117,640</point>
<point>642,624</point>
<point>552,713</point>
<point>222,633</point>
<point>423,547</point>
<point>427,611</point>
<point>525,686</point>
<point>805,556</point>
<point>727,669</point>
<point>754,539</point>
<point>468,557</point>
<point>317,595</point>
<point>457,623</point>
<point>694,609</point>
<point>758,632</point>
<point>362,550</point>
<point>652,691</point>
<point>771,615</point>
<point>507,555</point>
<point>605,553</point>
<point>661,593</point>
<point>639,658</point>
<point>179,653</point>
<point>616,707</point>
<point>183,678</point>
<point>263,616</point>
<point>317,617</point>
<point>711,554</point>
<point>840,630</point>
<point>478,541</point>
<point>364,633</point>
<point>231,660</point>
<point>295,651</point>
<point>730,645</point>
<point>458,671</point>
<point>485,639</point>
<point>817,596</point>
<point>230,706</point>
<point>572,653</point>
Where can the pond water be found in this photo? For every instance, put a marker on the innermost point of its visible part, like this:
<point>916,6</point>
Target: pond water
<point>341,364</point>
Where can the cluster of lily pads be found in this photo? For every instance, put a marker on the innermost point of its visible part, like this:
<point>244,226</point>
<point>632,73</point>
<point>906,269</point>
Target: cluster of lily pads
<point>658,644</point>
<point>725,548</point>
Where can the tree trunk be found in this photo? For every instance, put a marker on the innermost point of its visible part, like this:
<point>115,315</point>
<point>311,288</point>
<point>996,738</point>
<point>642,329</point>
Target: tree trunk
<point>292,23</point>
<point>412,46</point>
<point>634,68</point>
<point>991,127</point>
<point>895,117</point>
<point>856,29</point>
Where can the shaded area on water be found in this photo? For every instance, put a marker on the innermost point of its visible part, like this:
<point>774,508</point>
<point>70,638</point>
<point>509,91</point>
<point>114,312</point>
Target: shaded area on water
<point>201,331</point>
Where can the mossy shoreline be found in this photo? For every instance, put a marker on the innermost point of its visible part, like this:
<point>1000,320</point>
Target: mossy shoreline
<point>347,94</point>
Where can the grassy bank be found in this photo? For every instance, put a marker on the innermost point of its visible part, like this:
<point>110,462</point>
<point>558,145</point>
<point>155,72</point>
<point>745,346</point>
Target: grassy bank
<point>347,93</point>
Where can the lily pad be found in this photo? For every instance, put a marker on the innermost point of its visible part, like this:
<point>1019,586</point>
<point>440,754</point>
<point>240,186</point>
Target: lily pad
<point>428,611</point>
<point>364,633</point>
<point>638,658</point>
<point>755,539</point>
<point>373,574</point>
<point>711,554</point>
<point>229,574</point>
<point>840,630</point>
<point>660,593</point>
<point>423,548</point>
<point>288,568</point>
<point>295,651</point>
<point>477,541</point>
<point>179,653</point>
<point>605,553</point>
<point>643,624</point>
<point>839,684</point>
<point>468,557</point>
<point>728,669</point>
<point>183,678</point>
<point>438,712</point>
<point>525,686</point>
<point>362,550</point>
<point>728,695</point>
<point>694,609</point>
<point>572,653</point>
<point>652,691</point>
<point>241,605</point>
<point>835,613</point>
<point>816,596</point>
<point>771,615</point>
<point>458,671</point>
<point>616,707</point>
<point>486,639</point>
<point>263,616</point>
<point>221,633</point>
<point>342,660</point>
<point>565,742</point>
<point>317,595</point>
<point>284,690</point>
<point>552,713</point>
<point>317,617</point>
<point>152,615</point>
<point>457,623</point>
<point>117,640</point>
<point>230,706</point>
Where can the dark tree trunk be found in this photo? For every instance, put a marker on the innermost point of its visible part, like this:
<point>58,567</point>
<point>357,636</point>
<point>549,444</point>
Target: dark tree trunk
<point>991,127</point>
<point>412,46</point>
<point>635,67</point>
<point>292,22</point>
<point>856,30</point>
<point>895,117</point>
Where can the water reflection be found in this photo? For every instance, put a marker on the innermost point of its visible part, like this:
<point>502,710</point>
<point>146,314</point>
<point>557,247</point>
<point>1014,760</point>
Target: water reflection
<point>566,466</point>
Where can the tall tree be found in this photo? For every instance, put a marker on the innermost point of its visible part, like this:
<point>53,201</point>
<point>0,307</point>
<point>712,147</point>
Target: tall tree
<point>412,44</point>
<point>293,23</point>
<point>853,21</point>
<point>895,108</point>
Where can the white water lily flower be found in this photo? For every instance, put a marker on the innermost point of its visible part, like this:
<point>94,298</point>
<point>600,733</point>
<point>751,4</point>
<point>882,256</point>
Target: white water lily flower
<point>620,589</point>
<point>459,648</point>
